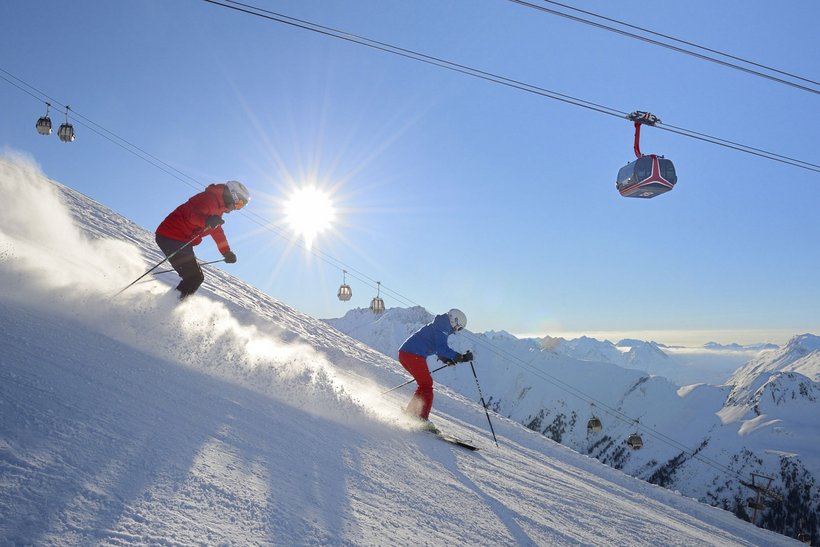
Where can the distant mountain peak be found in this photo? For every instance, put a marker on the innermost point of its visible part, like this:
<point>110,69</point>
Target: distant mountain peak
<point>738,347</point>
<point>804,343</point>
<point>632,342</point>
<point>647,349</point>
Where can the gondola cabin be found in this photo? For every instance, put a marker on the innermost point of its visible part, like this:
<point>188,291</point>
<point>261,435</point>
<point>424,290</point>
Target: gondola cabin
<point>44,125</point>
<point>345,293</point>
<point>594,425</point>
<point>66,132</point>
<point>634,441</point>
<point>646,177</point>
<point>377,305</point>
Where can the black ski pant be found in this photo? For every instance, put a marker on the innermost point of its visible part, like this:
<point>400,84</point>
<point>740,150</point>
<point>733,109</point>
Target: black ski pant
<point>185,264</point>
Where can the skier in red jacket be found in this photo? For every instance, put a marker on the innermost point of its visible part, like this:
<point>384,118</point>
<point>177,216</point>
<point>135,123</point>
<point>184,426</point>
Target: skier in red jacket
<point>202,214</point>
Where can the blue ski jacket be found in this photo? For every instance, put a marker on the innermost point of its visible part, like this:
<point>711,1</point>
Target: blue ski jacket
<point>431,339</point>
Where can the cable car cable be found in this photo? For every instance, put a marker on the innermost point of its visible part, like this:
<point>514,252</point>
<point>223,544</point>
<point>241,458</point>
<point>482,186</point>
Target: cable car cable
<point>685,42</point>
<point>464,69</point>
<point>740,147</point>
<point>410,54</point>
<point>675,48</point>
<point>103,132</point>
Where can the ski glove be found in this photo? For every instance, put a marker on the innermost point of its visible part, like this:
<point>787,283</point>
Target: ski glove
<point>464,357</point>
<point>447,361</point>
<point>213,221</point>
<point>230,258</point>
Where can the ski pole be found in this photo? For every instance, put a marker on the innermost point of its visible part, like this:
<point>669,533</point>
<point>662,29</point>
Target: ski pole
<point>412,380</point>
<point>161,262</point>
<point>483,403</point>
<point>201,264</point>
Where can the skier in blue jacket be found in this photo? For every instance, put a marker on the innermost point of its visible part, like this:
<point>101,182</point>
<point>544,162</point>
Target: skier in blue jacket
<point>431,339</point>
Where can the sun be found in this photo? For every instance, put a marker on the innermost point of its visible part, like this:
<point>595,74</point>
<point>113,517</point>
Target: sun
<point>309,211</point>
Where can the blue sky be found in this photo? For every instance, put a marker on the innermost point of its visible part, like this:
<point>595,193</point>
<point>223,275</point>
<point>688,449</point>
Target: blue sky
<point>451,190</point>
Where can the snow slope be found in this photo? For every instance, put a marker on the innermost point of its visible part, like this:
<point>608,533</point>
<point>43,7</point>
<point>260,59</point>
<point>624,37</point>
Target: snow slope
<point>231,418</point>
<point>701,440</point>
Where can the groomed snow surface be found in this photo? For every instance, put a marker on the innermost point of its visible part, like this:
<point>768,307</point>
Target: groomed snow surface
<point>232,419</point>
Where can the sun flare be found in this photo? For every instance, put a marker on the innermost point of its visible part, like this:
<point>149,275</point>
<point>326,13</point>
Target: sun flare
<point>309,211</point>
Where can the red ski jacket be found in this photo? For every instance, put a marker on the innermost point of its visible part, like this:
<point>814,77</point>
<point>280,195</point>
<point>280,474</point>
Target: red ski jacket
<point>188,219</point>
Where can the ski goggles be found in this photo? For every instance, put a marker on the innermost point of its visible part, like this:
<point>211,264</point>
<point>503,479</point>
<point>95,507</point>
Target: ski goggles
<point>238,202</point>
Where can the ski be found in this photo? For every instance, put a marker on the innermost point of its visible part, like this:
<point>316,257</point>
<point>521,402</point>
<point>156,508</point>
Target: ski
<point>458,442</point>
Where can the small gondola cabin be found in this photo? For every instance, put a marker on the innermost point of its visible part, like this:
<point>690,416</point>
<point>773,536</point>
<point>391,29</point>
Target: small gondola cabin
<point>377,305</point>
<point>44,125</point>
<point>66,132</point>
<point>344,293</point>
<point>594,425</point>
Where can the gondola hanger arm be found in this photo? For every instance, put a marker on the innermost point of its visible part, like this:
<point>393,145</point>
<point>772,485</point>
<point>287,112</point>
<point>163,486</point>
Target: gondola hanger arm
<point>641,118</point>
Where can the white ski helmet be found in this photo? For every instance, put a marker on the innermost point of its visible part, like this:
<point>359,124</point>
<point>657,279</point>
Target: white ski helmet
<point>239,194</point>
<point>457,319</point>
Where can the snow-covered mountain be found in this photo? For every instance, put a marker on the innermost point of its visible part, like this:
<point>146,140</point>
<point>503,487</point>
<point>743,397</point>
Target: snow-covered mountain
<point>231,418</point>
<point>702,440</point>
<point>801,355</point>
<point>634,354</point>
<point>738,347</point>
<point>683,366</point>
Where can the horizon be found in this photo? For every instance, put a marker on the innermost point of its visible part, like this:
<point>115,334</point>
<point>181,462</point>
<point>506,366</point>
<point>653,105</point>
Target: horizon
<point>688,339</point>
<point>693,339</point>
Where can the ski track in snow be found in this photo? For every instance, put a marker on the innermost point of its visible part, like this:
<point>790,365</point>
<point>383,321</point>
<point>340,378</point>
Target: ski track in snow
<point>232,419</point>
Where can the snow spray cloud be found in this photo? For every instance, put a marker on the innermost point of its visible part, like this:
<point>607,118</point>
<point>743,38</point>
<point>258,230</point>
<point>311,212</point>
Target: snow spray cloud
<point>47,261</point>
<point>38,236</point>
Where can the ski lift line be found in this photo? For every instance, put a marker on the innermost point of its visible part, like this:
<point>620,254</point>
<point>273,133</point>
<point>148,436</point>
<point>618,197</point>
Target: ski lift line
<point>685,42</point>
<point>676,48</point>
<point>740,147</point>
<point>103,132</point>
<point>463,69</point>
<point>169,169</point>
<point>161,165</point>
<point>410,54</point>
<point>553,380</point>
<point>24,90</point>
<point>328,259</point>
<point>184,178</point>
<point>335,32</point>
<point>608,409</point>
